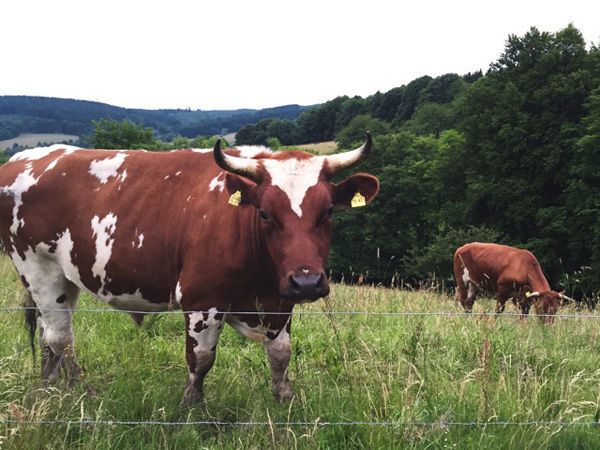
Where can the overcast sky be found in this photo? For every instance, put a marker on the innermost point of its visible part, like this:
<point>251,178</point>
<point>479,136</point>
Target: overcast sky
<point>223,54</point>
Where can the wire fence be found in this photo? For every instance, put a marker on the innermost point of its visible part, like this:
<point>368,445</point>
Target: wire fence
<point>318,422</point>
<point>308,313</point>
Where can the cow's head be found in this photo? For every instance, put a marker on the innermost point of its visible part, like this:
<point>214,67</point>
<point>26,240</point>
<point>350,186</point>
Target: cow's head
<point>294,199</point>
<point>546,302</point>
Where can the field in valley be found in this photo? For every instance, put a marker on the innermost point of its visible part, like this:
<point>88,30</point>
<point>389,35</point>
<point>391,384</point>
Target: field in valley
<point>32,139</point>
<point>404,378</point>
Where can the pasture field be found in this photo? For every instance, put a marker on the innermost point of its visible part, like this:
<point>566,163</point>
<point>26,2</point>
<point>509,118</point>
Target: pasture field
<point>32,139</point>
<point>384,370</point>
<point>321,148</point>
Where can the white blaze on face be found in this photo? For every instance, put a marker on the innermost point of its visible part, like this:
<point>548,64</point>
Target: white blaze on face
<point>104,230</point>
<point>294,177</point>
<point>105,168</point>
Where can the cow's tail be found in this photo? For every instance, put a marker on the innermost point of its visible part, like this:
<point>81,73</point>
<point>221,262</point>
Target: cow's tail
<point>31,313</point>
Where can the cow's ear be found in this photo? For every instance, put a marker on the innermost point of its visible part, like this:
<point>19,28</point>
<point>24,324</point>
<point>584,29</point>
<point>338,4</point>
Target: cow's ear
<point>242,190</point>
<point>357,190</point>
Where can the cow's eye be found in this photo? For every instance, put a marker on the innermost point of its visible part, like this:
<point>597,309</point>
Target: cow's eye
<point>263,215</point>
<point>330,212</point>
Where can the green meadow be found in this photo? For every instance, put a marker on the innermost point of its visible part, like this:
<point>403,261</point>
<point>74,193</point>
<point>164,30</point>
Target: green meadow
<point>411,381</point>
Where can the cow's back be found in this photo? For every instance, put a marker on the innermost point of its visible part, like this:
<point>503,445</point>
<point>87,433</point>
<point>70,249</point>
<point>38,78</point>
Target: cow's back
<point>114,220</point>
<point>490,263</point>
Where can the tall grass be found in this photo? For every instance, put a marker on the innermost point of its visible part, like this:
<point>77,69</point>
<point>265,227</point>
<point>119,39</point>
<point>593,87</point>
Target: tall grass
<point>344,368</point>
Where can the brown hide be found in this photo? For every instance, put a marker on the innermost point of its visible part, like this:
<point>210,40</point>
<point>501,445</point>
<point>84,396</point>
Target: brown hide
<point>506,271</point>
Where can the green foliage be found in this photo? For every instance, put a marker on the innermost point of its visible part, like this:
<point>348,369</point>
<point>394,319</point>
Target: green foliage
<point>521,124</point>
<point>355,131</point>
<point>273,143</point>
<point>431,118</point>
<point>111,134</point>
<point>436,258</point>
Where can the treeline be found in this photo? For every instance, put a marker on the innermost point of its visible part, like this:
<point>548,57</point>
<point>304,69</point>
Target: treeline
<point>428,100</point>
<point>512,156</point>
<point>24,114</point>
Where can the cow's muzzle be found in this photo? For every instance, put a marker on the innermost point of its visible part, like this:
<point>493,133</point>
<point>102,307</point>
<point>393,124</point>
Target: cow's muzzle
<point>305,286</point>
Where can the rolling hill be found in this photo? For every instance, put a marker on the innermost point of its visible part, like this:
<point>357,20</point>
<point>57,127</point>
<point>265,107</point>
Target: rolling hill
<point>26,114</point>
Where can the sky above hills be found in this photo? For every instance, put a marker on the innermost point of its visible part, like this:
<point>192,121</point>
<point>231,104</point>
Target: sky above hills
<point>255,54</point>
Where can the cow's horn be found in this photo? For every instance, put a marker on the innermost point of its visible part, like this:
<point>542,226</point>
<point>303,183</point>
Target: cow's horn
<point>565,298</point>
<point>241,166</point>
<point>348,159</point>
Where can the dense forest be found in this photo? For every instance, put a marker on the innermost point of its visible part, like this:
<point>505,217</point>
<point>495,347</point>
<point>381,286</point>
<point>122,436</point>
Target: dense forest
<point>23,114</point>
<point>510,156</point>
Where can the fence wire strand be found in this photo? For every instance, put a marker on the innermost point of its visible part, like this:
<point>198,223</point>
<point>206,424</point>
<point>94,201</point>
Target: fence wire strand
<point>474,424</point>
<point>309,313</point>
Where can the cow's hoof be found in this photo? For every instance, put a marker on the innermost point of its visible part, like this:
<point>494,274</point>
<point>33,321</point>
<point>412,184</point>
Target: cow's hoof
<point>191,396</point>
<point>284,394</point>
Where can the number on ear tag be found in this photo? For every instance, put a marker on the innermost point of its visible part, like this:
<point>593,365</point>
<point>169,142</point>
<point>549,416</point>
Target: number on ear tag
<point>358,200</point>
<point>235,199</point>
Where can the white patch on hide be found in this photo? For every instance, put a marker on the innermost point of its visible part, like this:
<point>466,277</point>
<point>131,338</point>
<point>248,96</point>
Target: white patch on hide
<point>40,152</point>
<point>22,183</point>
<point>104,231</point>
<point>105,168</point>
<point>216,183</point>
<point>64,247</point>
<point>133,302</point>
<point>294,177</point>
<point>258,334</point>
<point>202,150</point>
<point>122,177</point>
<point>206,338</point>
<point>140,240</point>
<point>250,151</point>
<point>178,294</point>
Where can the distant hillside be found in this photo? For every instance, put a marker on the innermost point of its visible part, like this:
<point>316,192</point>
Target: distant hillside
<point>24,114</point>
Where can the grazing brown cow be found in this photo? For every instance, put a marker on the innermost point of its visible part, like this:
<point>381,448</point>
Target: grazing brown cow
<point>146,231</point>
<point>508,271</point>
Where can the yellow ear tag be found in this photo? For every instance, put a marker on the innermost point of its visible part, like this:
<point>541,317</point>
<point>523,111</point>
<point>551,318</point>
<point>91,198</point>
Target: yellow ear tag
<point>527,294</point>
<point>358,200</point>
<point>236,198</point>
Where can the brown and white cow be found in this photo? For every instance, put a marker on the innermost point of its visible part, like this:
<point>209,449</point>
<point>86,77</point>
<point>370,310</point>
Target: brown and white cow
<point>147,231</point>
<point>507,271</point>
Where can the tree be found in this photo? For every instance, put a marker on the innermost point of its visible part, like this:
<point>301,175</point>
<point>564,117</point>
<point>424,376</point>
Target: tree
<point>111,134</point>
<point>355,131</point>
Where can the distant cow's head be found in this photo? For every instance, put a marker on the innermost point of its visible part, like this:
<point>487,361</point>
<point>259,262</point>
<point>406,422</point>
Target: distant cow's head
<point>546,302</point>
<point>294,199</point>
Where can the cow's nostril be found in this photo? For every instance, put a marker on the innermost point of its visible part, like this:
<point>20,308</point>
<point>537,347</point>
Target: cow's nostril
<point>320,280</point>
<point>294,283</point>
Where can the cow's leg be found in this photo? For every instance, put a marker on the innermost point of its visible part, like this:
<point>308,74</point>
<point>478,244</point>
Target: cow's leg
<point>278,352</point>
<point>501,298</point>
<point>203,331</point>
<point>55,303</point>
